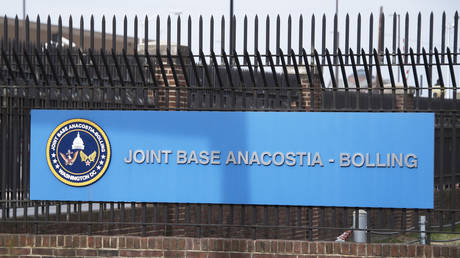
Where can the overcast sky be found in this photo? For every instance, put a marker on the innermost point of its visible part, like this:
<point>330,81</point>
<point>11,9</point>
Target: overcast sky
<point>206,8</point>
<point>220,7</point>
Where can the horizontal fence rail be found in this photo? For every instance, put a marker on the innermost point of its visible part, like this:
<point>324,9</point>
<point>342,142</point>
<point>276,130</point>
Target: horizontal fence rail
<point>46,66</point>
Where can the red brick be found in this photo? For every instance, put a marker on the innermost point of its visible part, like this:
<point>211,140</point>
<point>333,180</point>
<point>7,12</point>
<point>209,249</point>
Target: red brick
<point>320,248</point>
<point>105,242</point>
<point>445,251</point>
<point>436,251</point>
<point>428,252</point>
<point>3,250</point>
<point>420,250</point>
<point>262,246</point>
<point>19,251</point>
<point>137,242</point>
<point>64,252</point>
<point>159,242</point>
<point>67,241</point>
<point>227,245</point>
<point>75,241</point>
<point>240,255</point>
<point>151,243</point>
<point>151,253</point>
<point>395,251</point>
<point>143,242</point>
<point>216,245</point>
<point>86,252</point>
<point>263,256</point>
<point>98,242</point>
<point>196,254</point>
<point>411,251</point>
<point>196,244</point>
<point>42,251</point>
<point>281,246</point>
<point>107,253</point>
<point>30,241</point>
<point>204,243</point>
<point>12,240</point>
<point>130,253</point>
<point>386,250</point>
<point>304,247</point>
<point>46,241</point>
<point>167,244</point>
<point>337,246</point>
<point>22,240</point>
<point>171,254</point>
<point>91,242</point>
<point>251,245</point>
<point>313,248</point>
<point>377,250</point>
<point>53,241</point>
<point>346,248</point>
<point>289,247</point>
<point>129,242</point>
<point>60,241</point>
<point>38,241</point>
<point>244,245</point>
<point>121,242</point>
<point>180,244</point>
<point>454,251</point>
<point>113,242</point>
<point>297,247</point>
<point>188,244</point>
<point>360,249</point>
<point>403,250</point>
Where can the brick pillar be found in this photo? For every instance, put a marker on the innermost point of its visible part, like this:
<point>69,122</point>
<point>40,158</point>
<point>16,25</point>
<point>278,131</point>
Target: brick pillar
<point>311,94</point>
<point>408,100</point>
<point>175,96</point>
<point>315,223</point>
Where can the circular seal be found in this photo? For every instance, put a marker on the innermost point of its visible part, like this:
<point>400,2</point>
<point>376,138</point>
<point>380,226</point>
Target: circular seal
<point>78,152</point>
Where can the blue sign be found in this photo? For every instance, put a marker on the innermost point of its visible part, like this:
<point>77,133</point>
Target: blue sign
<point>273,158</point>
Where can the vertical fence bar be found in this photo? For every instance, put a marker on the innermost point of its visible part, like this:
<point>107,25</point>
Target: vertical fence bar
<point>200,34</point>
<point>91,33</point>
<point>267,38</point>
<point>406,39</point>
<point>168,31</point>
<point>358,38</point>
<point>211,34</point>
<point>189,32</point>
<point>103,33</point>
<point>114,33</point>
<point>347,37</point>
<point>289,32</point>
<point>312,36</point>
<point>323,40</point>
<point>395,36</point>
<point>443,36</point>
<point>222,35</point>
<point>455,36</point>
<point>82,32</point>
<point>125,33</point>
<point>245,36</point>
<point>300,38</point>
<point>371,41</point>
<point>430,51</point>
<point>419,35</point>
<point>256,38</point>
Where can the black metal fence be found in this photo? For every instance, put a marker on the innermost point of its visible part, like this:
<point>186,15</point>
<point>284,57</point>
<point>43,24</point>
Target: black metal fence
<point>51,67</point>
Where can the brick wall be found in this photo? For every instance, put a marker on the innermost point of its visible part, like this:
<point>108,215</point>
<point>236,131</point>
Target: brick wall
<point>97,246</point>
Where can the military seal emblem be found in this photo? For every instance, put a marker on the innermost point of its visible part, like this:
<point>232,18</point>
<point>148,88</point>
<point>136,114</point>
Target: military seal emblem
<point>78,152</point>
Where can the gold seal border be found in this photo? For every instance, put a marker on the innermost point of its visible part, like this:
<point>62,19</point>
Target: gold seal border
<point>108,147</point>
